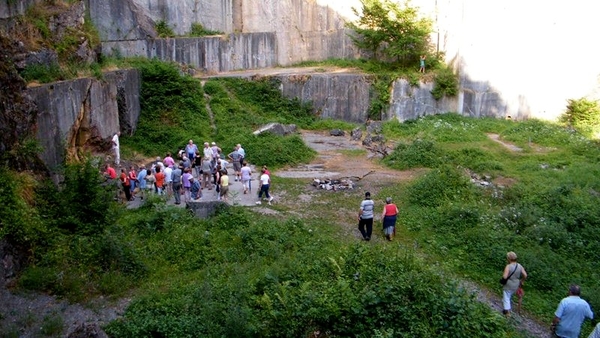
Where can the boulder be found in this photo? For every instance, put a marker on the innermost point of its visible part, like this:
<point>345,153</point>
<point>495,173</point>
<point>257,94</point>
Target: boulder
<point>337,132</point>
<point>356,134</point>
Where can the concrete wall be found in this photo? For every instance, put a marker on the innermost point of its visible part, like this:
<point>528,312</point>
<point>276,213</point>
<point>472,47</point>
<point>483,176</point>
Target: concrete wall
<point>80,113</point>
<point>210,54</point>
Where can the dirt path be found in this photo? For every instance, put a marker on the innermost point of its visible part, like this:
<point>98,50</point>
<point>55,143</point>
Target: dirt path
<point>331,162</point>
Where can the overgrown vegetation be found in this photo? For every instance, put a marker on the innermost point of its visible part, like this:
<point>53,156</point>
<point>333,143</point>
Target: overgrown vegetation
<point>164,30</point>
<point>197,29</point>
<point>37,32</point>
<point>175,110</point>
<point>583,115</point>
<point>397,38</point>
<point>392,31</point>
<point>243,274</point>
<point>548,212</point>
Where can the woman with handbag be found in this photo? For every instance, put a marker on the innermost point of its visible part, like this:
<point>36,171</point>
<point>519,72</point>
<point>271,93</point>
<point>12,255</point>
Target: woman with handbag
<point>512,278</point>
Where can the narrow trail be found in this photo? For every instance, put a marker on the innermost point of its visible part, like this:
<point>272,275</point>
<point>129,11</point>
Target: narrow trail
<point>331,160</point>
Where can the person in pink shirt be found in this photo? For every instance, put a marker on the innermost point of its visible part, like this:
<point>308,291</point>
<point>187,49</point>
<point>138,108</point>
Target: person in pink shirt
<point>169,161</point>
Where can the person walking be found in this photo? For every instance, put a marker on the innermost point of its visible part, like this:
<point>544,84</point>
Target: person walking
<point>235,157</point>
<point>176,181</point>
<point>365,217</point>
<point>246,176</point>
<point>126,184</point>
<point>388,218</point>
<point>265,184</point>
<point>570,314</point>
<point>514,274</point>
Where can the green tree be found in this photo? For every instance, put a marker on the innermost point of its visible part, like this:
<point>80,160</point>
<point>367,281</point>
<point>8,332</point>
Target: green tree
<point>583,115</point>
<point>394,30</point>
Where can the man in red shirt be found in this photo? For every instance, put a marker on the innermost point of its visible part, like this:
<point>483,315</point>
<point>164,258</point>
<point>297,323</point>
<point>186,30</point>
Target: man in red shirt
<point>110,172</point>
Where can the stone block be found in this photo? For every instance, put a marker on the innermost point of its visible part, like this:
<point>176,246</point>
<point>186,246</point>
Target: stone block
<point>205,209</point>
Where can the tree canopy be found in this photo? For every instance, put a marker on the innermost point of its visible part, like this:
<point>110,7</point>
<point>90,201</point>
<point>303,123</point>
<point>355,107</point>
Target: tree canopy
<point>393,31</point>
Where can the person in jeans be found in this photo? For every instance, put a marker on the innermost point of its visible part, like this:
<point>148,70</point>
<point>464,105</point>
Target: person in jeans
<point>570,314</point>
<point>265,184</point>
<point>365,217</point>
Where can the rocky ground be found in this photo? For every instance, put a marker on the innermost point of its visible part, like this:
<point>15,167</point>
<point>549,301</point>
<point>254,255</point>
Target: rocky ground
<point>25,315</point>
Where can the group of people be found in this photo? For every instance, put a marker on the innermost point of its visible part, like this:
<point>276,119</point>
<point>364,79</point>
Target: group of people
<point>570,313</point>
<point>366,214</point>
<point>194,170</point>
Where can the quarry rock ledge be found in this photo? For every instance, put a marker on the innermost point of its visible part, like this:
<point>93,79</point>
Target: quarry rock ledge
<point>204,209</point>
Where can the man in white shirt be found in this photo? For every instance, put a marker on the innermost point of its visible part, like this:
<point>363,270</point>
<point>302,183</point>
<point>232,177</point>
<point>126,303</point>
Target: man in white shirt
<point>115,146</point>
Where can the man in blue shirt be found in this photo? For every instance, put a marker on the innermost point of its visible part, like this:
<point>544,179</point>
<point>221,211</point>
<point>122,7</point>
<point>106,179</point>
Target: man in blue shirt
<point>570,314</point>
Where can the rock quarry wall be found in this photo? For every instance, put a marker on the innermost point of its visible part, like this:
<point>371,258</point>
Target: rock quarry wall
<point>298,30</point>
<point>212,55</point>
<point>85,113</point>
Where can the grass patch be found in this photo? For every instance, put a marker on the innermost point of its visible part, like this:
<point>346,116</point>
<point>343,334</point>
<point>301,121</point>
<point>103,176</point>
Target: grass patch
<point>548,216</point>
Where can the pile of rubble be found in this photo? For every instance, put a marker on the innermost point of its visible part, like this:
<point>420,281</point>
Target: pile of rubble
<point>329,184</point>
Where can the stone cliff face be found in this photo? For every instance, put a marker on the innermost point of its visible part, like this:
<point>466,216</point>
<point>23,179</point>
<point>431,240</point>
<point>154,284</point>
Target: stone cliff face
<point>18,113</point>
<point>212,55</point>
<point>297,30</point>
<point>82,115</point>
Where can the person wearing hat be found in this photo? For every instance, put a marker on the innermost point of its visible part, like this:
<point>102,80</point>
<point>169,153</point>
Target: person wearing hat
<point>365,217</point>
<point>216,151</point>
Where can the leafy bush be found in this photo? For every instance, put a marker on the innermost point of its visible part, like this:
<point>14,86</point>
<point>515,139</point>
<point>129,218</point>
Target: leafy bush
<point>198,30</point>
<point>394,30</point>
<point>582,114</point>
<point>173,110</point>
<point>276,279</point>
<point>440,186</point>
<point>276,151</point>
<point>164,30</point>
<point>446,83</point>
<point>420,153</point>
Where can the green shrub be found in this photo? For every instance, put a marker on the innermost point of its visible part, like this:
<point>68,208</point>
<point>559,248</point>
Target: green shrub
<point>164,30</point>
<point>420,153</point>
<point>173,110</point>
<point>446,84</point>
<point>42,73</point>
<point>197,29</point>
<point>440,186</point>
<point>582,114</point>
<point>84,201</point>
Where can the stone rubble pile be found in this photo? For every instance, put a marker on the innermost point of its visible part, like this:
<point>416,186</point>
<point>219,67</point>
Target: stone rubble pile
<point>329,184</point>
